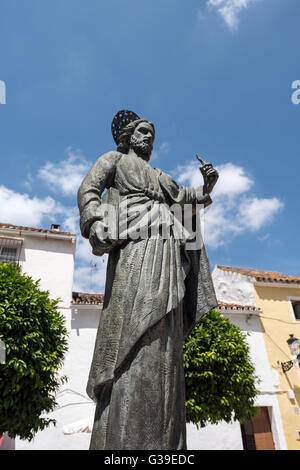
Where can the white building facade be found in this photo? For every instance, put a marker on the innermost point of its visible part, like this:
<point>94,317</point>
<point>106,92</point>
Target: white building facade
<point>235,294</point>
<point>75,411</point>
<point>47,256</point>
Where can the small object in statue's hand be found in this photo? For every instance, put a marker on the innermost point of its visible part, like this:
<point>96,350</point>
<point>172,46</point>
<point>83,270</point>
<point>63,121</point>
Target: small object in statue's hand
<point>205,166</point>
<point>200,160</point>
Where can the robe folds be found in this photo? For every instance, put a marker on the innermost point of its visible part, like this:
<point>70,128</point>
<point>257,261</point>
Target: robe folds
<point>156,291</point>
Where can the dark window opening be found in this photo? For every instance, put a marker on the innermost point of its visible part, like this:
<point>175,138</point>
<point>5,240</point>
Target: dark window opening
<point>296,308</point>
<point>248,436</point>
<point>8,255</point>
<point>10,249</point>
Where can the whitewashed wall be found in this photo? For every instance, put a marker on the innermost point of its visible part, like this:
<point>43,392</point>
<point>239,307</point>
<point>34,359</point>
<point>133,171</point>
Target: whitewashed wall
<point>236,288</point>
<point>233,287</point>
<point>221,436</point>
<point>52,261</point>
<point>228,436</point>
<point>73,403</point>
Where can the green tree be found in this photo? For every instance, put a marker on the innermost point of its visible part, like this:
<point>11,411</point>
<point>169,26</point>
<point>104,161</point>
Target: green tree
<point>35,339</point>
<point>219,375</point>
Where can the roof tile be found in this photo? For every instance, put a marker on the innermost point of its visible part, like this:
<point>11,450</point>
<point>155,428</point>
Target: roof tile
<point>84,298</point>
<point>262,275</point>
<point>33,229</point>
<point>232,306</point>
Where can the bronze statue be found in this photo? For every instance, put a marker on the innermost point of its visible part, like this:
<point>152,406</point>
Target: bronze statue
<point>156,290</point>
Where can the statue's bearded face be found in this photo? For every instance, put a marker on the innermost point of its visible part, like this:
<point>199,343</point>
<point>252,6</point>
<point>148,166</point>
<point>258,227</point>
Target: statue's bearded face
<point>142,140</point>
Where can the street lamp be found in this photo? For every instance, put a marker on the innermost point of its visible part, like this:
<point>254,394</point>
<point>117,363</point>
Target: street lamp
<point>294,344</point>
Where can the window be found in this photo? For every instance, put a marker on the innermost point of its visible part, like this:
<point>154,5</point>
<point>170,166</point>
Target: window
<point>8,255</point>
<point>10,249</point>
<point>296,308</point>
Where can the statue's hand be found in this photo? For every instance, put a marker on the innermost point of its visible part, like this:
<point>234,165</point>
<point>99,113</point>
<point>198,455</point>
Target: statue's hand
<point>210,176</point>
<point>99,238</point>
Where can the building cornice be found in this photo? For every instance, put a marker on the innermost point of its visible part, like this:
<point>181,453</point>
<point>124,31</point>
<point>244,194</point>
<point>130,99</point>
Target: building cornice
<point>40,234</point>
<point>225,307</point>
<point>292,285</point>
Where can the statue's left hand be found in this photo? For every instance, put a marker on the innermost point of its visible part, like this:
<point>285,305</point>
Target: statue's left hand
<point>210,176</point>
<point>98,238</point>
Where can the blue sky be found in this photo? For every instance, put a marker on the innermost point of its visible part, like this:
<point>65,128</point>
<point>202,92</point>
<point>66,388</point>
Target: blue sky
<point>214,76</point>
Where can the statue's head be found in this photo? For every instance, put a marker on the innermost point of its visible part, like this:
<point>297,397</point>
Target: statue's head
<point>139,136</point>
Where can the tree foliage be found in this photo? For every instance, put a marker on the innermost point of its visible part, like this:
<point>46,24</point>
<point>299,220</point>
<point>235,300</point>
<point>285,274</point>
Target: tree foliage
<point>34,335</point>
<point>219,375</point>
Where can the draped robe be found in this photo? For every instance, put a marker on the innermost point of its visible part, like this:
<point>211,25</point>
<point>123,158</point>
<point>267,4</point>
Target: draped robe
<point>155,293</point>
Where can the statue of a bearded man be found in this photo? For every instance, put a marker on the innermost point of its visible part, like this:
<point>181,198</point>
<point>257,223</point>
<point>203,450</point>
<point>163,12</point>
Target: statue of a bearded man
<point>156,291</point>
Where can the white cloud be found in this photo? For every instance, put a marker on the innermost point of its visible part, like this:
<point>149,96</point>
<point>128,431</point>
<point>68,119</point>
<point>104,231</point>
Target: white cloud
<point>233,212</point>
<point>256,212</point>
<point>232,178</point>
<point>20,209</point>
<point>71,222</point>
<point>65,176</point>
<point>230,10</point>
<point>188,175</point>
<point>220,225</point>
